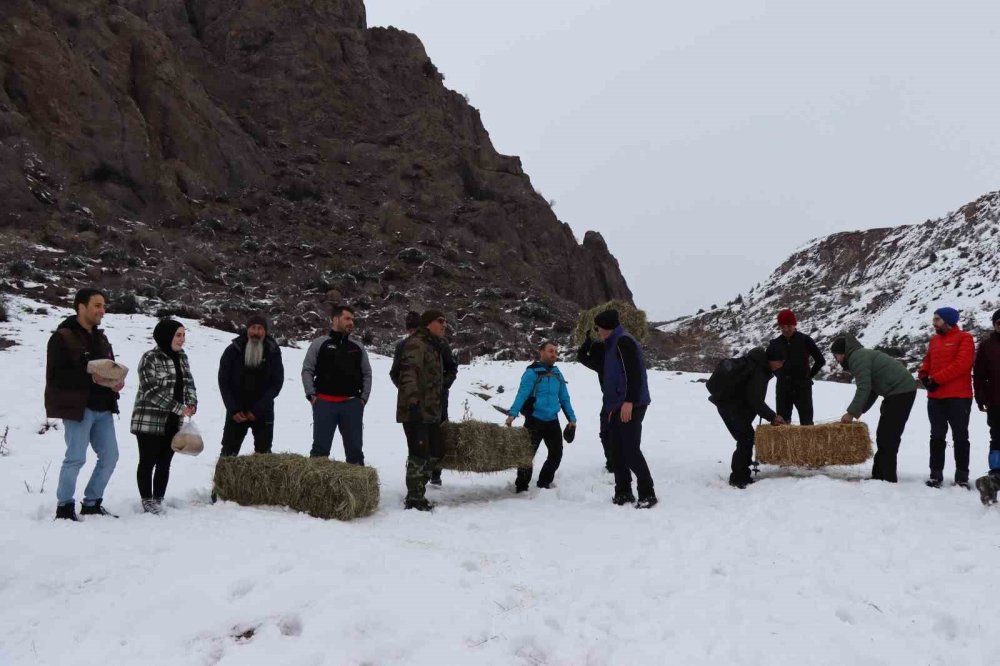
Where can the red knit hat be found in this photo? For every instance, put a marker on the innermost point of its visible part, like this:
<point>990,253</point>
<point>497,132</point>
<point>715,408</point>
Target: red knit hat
<point>787,318</point>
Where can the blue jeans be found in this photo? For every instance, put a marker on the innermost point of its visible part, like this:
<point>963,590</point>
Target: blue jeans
<point>98,430</point>
<point>348,416</point>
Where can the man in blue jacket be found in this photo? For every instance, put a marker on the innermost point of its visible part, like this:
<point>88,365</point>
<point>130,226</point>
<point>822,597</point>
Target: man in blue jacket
<point>541,395</point>
<point>250,378</point>
<point>626,397</point>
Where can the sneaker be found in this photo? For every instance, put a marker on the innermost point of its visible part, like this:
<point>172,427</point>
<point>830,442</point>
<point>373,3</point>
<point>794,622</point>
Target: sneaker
<point>419,504</point>
<point>647,502</point>
<point>988,486</point>
<point>622,498</point>
<point>66,512</point>
<point>933,482</point>
<point>95,509</point>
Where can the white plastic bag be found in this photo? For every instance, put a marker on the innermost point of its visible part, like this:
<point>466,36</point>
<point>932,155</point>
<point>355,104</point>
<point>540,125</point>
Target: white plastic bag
<point>188,440</point>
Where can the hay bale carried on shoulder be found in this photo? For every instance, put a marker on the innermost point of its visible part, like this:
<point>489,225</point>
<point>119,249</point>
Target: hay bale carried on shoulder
<point>813,446</point>
<point>321,487</point>
<point>479,446</point>
<point>633,320</point>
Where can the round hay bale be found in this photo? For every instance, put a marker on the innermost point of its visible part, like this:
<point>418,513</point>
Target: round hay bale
<point>632,318</point>
<point>321,487</point>
<point>479,446</point>
<point>813,446</point>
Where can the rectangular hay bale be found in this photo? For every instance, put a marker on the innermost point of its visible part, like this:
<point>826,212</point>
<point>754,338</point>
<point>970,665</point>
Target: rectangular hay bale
<point>813,446</point>
<point>321,487</point>
<point>479,446</point>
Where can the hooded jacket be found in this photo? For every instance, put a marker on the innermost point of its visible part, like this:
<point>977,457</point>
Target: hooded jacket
<point>875,374</point>
<point>549,387</point>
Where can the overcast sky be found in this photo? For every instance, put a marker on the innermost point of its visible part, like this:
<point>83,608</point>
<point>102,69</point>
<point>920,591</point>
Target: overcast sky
<point>707,141</point>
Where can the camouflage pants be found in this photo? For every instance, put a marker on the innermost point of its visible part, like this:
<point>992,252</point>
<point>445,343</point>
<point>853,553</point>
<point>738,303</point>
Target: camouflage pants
<point>424,443</point>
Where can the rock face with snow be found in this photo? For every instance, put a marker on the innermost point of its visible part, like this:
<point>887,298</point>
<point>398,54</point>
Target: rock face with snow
<point>883,285</point>
<point>216,157</point>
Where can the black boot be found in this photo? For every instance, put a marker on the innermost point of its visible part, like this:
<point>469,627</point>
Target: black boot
<point>95,509</point>
<point>623,497</point>
<point>962,479</point>
<point>418,503</point>
<point>66,512</point>
<point>936,480</point>
<point>740,481</point>
<point>647,502</point>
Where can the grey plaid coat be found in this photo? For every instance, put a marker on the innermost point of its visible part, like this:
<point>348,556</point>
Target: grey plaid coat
<point>154,400</point>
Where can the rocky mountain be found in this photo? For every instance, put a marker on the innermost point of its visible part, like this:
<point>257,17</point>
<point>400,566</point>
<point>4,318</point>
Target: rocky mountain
<point>881,284</point>
<point>209,158</point>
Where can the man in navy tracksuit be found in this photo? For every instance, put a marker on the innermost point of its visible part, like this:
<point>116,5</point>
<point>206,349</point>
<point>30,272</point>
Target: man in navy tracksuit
<point>626,397</point>
<point>541,395</point>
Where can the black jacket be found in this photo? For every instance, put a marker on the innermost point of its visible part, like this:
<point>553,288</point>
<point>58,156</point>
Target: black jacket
<point>753,393</point>
<point>799,350</point>
<point>251,389</point>
<point>591,355</point>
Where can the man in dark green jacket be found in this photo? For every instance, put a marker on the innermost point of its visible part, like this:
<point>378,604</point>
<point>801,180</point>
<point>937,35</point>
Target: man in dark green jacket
<point>878,374</point>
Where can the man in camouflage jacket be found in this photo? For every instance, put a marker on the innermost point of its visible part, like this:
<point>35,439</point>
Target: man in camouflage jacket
<point>419,405</point>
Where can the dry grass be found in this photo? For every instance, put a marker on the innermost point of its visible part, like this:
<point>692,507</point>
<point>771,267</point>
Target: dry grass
<point>320,487</point>
<point>813,446</point>
<point>633,319</point>
<point>478,446</point>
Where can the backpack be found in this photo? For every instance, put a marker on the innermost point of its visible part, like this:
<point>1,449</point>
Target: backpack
<point>528,408</point>
<point>728,377</point>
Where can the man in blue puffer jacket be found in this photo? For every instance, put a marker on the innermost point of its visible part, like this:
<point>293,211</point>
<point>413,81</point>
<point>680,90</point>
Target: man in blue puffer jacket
<point>540,397</point>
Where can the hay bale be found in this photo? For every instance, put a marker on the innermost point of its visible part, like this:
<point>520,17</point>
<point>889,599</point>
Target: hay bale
<point>478,446</point>
<point>813,446</point>
<point>321,487</point>
<point>632,318</point>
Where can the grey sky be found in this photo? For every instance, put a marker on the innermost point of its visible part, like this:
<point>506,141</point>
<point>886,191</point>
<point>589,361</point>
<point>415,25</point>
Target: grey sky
<point>707,141</point>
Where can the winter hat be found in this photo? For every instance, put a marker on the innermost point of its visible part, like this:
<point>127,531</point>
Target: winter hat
<point>429,316</point>
<point>996,316</point>
<point>164,334</point>
<point>839,345</point>
<point>787,318</point>
<point>949,315</point>
<point>608,320</point>
<point>257,319</point>
<point>776,351</point>
<point>412,320</point>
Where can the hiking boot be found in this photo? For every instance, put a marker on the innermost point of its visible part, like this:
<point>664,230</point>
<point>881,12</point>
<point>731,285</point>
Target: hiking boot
<point>740,482</point>
<point>988,486</point>
<point>152,506</point>
<point>66,512</point>
<point>540,484</point>
<point>622,498</point>
<point>962,479</point>
<point>420,504</point>
<point>933,482</point>
<point>647,502</point>
<point>95,509</point>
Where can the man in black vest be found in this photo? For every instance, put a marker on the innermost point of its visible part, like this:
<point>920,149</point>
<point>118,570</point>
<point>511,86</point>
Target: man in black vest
<point>795,378</point>
<point>250,377</point>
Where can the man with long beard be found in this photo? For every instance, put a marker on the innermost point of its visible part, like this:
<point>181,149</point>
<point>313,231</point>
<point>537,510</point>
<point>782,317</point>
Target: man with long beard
<point>250,378</point>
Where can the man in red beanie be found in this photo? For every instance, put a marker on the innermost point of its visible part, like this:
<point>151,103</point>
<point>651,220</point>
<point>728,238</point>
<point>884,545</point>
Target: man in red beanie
<point>794,385</point>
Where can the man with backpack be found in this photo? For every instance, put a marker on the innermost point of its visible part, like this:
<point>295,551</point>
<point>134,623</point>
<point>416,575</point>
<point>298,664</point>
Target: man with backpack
<point>738,388</point>
<point>878,374</point>
<point>803,361</point>
<point>540,397</point>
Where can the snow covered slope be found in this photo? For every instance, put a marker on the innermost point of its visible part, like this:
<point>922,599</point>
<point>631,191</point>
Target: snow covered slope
<point>882,284</point>
<point>801,568</point>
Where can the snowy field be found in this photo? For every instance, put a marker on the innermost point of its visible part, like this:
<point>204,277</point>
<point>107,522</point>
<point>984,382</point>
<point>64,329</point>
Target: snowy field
<point>801,568</point>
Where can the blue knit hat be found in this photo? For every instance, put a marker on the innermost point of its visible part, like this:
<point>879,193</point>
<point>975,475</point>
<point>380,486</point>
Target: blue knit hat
<point>949,315</point>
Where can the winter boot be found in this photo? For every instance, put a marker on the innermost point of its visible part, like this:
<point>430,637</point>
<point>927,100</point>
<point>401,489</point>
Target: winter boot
<point>623,497</point>
<point>988,486</point>
<point>935,481</point>
<point>66,512</point>
<point>740,481</point>
<point>647,502</point>
<point>95,509</point>
<point>152,506</point>
<point>962,479</point>
<point>418,503</point>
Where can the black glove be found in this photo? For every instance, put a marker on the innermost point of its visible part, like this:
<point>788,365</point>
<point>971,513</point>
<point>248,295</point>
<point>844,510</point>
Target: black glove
<point>930,384</point>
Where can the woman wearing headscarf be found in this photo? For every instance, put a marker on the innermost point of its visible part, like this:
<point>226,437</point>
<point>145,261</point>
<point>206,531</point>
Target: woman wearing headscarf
<point>166,394</point>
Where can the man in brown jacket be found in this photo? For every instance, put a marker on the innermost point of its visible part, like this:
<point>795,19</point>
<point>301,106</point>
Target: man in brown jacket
<point>83,403</point>
<point>418,405</point>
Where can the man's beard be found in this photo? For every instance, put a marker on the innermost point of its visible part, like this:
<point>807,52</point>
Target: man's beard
<point>254,354</point>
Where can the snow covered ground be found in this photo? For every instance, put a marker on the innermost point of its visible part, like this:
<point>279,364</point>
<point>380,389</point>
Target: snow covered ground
<point>801,568</point>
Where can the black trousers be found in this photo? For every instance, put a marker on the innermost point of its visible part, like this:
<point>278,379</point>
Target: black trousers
<point>993,421</point>
<point>891,423</point>
<point>153,472</point>
<point>797,393</point>
<point>739,419</point>
<point>551,434</point>
<point>609,453</point>
<point>234,433</point>
<point>954,413</point>
<point>626,441</point>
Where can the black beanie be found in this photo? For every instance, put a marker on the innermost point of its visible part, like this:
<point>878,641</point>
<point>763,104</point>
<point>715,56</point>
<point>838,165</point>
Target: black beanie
<point>430,315</point>
<point>776,352</point>
<point>996,316</point>
<point>839,346</point>
<point>608,320</point>
<point>164,333</point>
<point>257,319</point>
